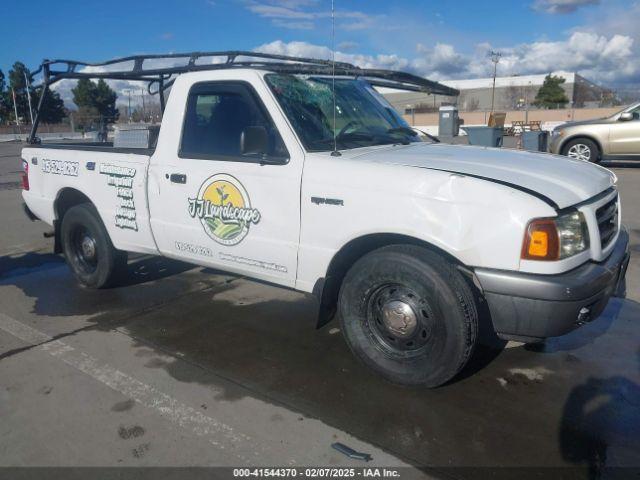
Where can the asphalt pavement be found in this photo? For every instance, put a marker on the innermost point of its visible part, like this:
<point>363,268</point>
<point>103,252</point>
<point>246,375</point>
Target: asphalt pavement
<point>188,366</point>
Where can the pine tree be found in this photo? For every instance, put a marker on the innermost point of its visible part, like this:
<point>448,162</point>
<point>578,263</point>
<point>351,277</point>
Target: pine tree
<point>52,109</point>
<point>551,93</point>
<point>89,96</point>
<point>5,110</point>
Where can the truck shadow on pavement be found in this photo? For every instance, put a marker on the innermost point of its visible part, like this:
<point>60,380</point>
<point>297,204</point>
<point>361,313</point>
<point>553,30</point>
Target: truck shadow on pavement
<point>600,425</point>
<point>516,408</point>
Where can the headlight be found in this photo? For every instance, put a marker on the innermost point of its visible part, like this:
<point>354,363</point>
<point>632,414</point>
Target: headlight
<point>556,132</point>
<point>555,238</point>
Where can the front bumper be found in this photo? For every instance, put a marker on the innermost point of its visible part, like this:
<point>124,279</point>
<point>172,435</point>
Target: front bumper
<point>555,141</point>
<point>528,307</point>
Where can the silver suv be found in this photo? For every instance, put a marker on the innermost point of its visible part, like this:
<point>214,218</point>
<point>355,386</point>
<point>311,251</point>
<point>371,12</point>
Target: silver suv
<point>614,137</point>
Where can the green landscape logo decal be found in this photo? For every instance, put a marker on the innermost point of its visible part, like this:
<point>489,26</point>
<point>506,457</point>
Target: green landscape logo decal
<point>224,209</point>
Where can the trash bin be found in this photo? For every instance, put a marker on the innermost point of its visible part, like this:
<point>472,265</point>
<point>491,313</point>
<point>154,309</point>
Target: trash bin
<point>484,136</point>
<point>535,141</point>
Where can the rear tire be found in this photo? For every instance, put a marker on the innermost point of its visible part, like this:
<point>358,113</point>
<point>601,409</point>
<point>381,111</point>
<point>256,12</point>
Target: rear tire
<point>408,314</point>
<point>88,249</point>
<point>582,149</point>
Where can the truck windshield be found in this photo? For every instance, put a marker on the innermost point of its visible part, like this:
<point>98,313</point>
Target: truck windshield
<point>362,116</point>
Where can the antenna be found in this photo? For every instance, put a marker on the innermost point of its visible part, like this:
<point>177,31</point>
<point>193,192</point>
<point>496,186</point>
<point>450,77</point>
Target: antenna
<point>335,152</point>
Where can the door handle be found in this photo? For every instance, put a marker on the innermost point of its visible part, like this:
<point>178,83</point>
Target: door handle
<point>177,177</point>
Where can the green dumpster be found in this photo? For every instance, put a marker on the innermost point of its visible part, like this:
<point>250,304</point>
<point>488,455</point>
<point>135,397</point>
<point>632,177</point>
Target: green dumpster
<point>484,136</point>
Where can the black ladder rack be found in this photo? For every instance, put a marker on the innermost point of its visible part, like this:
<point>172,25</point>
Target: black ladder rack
<point>161,76</point>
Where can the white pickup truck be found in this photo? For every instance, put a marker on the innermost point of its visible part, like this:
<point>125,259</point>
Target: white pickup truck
<point>417,245</point>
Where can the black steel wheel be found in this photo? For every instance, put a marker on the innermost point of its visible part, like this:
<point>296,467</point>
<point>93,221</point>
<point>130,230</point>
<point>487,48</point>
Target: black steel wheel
<point>84,249</point>
<point>407,313</point>
<point>88,249</point>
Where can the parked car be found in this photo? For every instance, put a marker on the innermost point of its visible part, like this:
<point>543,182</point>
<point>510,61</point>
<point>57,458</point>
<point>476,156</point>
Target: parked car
<point>417,245</point>
<point>614,137</point>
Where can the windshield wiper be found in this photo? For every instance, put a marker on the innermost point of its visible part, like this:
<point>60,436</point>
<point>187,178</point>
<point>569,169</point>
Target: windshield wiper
<point>360,137</point>
<point>405,130</point>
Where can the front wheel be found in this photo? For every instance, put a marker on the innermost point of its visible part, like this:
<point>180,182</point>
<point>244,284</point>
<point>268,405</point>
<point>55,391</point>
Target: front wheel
<point>408,314</point>
<point>88,249</point>
<point>582,149</point>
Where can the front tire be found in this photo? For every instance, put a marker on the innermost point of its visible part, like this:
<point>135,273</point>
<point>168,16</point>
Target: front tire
<point>408,314</point>
<point>582,149</point>
<point>88,249</point>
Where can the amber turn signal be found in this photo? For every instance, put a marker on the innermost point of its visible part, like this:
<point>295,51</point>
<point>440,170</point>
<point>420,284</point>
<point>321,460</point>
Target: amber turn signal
<point>541,240</point>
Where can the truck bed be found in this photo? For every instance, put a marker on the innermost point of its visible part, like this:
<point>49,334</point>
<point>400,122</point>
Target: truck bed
<point>113,179</point>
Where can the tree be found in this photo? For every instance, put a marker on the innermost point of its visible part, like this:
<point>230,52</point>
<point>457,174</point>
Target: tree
<point>99,97</point>
<point>84,93</point>
<point>106,101</point>
<point>18,86</point>
<point>551,93</point>
<point>86,117</point>
<point>52,110</point>
<point>5,107</point>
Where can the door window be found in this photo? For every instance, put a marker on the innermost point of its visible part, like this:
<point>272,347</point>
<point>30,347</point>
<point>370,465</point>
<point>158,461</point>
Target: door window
<point>215,118</point>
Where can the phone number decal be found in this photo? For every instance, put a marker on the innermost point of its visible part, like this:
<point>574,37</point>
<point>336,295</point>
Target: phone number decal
<point>60,167</point>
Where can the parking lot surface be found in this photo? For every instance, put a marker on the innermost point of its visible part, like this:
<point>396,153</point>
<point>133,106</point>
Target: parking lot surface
<point>188,366</point>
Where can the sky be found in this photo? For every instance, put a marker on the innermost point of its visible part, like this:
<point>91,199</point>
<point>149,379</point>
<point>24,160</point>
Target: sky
<point>441,40</point>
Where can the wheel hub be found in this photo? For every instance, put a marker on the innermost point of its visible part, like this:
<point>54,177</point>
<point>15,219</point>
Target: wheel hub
<point>88,246</point>
<point>580,151</point>
<point>399,318</point>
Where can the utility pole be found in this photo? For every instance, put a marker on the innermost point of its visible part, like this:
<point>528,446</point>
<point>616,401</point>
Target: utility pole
<point>144,117</point>
<point>26,87</point>
<point>129,108</point>
<point>15,107</point>
<point>495,58</point>
<point>526,103</point>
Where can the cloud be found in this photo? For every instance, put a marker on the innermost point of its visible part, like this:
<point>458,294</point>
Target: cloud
<point>347,46</point>
<point>562,6</point>
<point>612,60</point>
<point>277,11</point>
<point>303,14</point>
<point>601,58</point>
<point>304,49</point>
<point>442,58</point>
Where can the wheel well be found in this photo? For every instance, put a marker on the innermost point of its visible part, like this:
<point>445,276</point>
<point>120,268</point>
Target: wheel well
<point>326,290</point>
<point>67,198</point>
<point>580,137</point>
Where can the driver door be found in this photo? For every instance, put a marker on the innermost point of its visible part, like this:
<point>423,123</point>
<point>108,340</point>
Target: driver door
<point>216,206</point>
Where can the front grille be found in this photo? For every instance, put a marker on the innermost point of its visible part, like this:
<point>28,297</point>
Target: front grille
<point>607,216</point>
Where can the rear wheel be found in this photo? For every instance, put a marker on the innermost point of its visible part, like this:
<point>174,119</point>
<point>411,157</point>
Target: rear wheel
<point>582,149</point>
<point>407,313</point>
<point>88,249</point>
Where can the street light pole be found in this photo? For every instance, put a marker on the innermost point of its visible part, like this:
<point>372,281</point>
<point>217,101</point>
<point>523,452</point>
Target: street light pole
<point>144,116</point>
<point>26,86</point>
<point>495,58</point>
<point>15,107</point>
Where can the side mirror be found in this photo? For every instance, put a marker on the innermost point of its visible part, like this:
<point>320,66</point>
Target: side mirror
<point>626,117</point>
<point>254,141</point>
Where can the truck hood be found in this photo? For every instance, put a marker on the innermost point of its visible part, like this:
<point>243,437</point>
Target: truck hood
<point>561,181</point>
